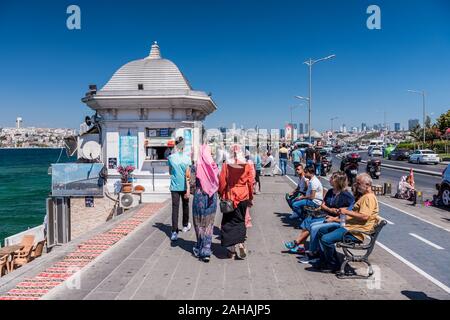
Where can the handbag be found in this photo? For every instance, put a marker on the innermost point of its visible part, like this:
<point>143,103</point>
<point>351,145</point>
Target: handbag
<point>226,206</point>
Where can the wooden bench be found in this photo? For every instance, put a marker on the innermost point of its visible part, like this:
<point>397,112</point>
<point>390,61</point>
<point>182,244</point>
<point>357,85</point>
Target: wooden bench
<point>366,247</point>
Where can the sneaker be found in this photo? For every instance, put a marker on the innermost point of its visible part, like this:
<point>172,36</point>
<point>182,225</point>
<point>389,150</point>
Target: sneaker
<point>187,228</point>
<point>298,250</point>
<point>306,260</point>
<point>196,252</point>
<point>294,215</point>
<point>290,245</point>
<point>205,259</point>
<point>174,236</point>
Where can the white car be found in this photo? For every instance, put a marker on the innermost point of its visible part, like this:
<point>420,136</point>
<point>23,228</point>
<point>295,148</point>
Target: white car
<point>376,151</point>
<point>424,156</point>
<point>363,147</point>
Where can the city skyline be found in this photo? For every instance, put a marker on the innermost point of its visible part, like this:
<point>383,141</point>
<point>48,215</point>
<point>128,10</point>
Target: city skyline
<point>253,67</point>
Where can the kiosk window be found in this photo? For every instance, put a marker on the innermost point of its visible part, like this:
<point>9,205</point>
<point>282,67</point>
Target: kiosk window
<point>158,153</point>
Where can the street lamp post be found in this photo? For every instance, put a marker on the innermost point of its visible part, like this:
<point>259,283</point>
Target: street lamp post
<point>310,63</point>
<point>423,107</point>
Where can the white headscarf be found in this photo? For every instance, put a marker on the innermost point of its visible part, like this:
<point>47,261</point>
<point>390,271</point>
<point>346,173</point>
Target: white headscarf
<point>236,155</point>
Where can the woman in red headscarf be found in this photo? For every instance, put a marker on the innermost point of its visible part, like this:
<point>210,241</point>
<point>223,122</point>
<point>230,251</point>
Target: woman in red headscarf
<point>236,183</point>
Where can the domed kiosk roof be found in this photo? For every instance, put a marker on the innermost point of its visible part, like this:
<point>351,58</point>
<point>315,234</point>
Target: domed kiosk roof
<point>152,82</point>
<point>153,73</point>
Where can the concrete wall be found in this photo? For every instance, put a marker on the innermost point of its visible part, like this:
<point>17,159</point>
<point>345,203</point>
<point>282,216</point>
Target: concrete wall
<point>83,219</point>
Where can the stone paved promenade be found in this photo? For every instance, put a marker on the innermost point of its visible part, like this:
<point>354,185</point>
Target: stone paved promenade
<point>145,265</point>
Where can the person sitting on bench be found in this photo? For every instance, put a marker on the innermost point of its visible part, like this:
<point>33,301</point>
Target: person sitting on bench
<point>301,188</point>
<point>313,197</point>
<point>363,217</point>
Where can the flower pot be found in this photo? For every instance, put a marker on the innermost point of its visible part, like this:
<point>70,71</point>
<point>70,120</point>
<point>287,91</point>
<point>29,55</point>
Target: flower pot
<point>127,187</point>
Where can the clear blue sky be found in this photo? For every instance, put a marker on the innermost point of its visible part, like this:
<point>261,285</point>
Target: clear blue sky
<point>248,54</point>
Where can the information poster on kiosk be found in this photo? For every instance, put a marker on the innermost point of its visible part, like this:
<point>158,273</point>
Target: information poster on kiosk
<point>128,151</point>
<point>188,142</point>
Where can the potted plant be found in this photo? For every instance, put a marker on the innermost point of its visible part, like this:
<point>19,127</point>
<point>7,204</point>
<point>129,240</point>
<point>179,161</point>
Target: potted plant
<point>125,174</point>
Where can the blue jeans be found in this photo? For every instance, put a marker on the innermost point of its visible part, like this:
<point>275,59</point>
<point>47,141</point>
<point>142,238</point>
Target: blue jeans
<point>299,205</point>
<point>328,236</point>
<point>313,230</point>
<point>309,221</point>
<point>283,166</point>
<point>309,163</point>
<point>318,169</point>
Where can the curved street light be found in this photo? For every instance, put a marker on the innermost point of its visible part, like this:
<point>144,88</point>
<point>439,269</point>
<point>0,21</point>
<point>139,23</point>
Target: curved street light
<point>310,63</point>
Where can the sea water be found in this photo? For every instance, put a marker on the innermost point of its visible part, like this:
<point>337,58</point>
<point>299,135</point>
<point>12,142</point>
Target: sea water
<point>24,186</point>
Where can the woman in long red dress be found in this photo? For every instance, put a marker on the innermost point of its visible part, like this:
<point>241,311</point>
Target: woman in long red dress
<point>236,183</point>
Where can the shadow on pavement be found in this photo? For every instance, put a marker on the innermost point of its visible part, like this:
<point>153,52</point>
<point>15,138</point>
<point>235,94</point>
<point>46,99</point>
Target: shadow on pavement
<point>217,250</point>
<point>284,217</point>
<point>416,295</point>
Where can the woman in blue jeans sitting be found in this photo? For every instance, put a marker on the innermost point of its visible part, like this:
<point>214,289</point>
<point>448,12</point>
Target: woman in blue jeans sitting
<point>337,197</point>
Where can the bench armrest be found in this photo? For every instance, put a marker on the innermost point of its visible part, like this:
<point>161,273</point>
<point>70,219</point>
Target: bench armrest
<point>346,243</point>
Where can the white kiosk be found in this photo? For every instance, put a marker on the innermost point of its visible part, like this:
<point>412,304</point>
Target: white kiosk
<point>143,107</point>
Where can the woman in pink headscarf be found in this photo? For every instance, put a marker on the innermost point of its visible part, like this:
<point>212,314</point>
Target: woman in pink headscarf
<point>205,202</point>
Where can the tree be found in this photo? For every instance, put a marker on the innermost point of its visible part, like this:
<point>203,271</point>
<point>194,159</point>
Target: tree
<point>417,133</point>
<point>428,122</point>
<point>443,122</point>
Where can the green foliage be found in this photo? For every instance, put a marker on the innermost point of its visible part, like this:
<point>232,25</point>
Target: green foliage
<point>437,146</point>
<point>443,122</point>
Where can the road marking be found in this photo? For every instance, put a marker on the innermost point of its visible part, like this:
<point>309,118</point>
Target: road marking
<point>291,180</point>
<point>426,241</point>
<point>415,268</point>
<point>410,214</point>
<point>388,221</point>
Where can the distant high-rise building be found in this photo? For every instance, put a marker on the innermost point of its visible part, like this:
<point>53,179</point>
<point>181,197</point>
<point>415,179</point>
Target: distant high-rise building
<point>344,128</point>
<point>397,127</point>
<point>306,128</point>
<point>294,125</point>
<point>300,128</point>
<point>363,127</point>
<point>412,124</point>
<point>282,133</point>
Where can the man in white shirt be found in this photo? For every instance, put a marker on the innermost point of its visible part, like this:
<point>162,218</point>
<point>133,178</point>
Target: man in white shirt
<point>313,197</point>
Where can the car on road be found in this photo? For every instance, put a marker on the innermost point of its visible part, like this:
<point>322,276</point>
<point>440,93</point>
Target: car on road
<point>375,152</point>
<point>363,147</point>
<point>399,154</point>
<point>444,187</point>
<point>424,156</point>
